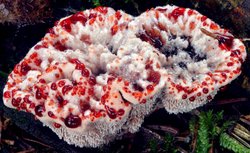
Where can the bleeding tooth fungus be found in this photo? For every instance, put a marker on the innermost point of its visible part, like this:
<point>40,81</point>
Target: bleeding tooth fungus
<point>98,73</point>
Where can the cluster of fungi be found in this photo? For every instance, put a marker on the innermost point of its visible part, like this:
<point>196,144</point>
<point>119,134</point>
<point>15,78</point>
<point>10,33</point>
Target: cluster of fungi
<point>96,74</point>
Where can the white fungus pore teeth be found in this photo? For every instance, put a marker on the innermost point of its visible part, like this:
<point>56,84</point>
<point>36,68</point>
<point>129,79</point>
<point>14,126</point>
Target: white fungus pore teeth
<point>97,74</point>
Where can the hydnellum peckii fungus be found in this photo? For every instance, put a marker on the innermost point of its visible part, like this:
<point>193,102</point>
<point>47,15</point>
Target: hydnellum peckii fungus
<point>96,74</point>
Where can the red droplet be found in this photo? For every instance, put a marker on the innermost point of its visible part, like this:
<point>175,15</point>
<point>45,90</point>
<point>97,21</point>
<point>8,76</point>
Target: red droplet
<point>6,94</point>
<point>32,105</point>
<point>16,102</point>
<point>38,62</point>
<point>209,97</point>
<point>53,86</point>
<point>66,89</point>
<point>235,53</point>
<point>120,112</point>
<point>61,101</point>
<point>66,24</point>
<point>25,68</point>
<point>52,115</point>
<point>39,110</point>
<point>38,47</point>
<point>78,17</point>
<point>59,46</point>
<point>23,106</point>
<point>42,81</point>
<point>61,83</point>
<point>92,15</point>
<point>33,55</point>
<point>103,10</point>
<point>111,112</point>
<point>137,87</point>
<point>143,101</point>
<point>179,88</point>
<point>184,96</point>
<point>150,88</point>
<point>85,72</point>
<point>114,29</point>
<point>203,18</point>
<point>75,61</point>
<point>56,125</point>
<point>81,91</point>
<point>84,106</point>
<point>80,66</point>
<point>51,31</point>
<point>26,99</point>
<point>110,79</point>
<point>205,90</point>
<point>74,83</point>
<point>104,98</point>
<point>39,93</point>
<point>224,75</point>
<point>199,94</point>
<point>230,64</point>
<point>73,121</point>
<point>190,12</point>
<point>177,12</point>
<point>92,80</point>
<point>204,83</point>
<point>226,41</point>
<point>192,98</point>
<point>118,15</point>
<point>154,76</point>
<point>98,114</point>
<point>91,91</point>
<point>161,9</point>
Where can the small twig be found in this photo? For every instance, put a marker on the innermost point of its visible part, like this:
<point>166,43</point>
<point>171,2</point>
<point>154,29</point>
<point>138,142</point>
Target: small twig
<point>167,129</point>
<point>208,33</point>
<point>181,150</point>
<point>8,142</point>
<point>183,139</point>
<point>240,140</point>
<point>27,151</point>
<point>245,121</point>
<point>30,140</point>
<point>211,150</point>
<point>6,122</point>
<point>229,101</point>
<point>215,36</point>
<point>136,6</point>
<point>242,132</point>
<point>195,112</point>
<point>194,140</point>
<point>245,39</point>
<point>155,135</point>
<point>247,117</point>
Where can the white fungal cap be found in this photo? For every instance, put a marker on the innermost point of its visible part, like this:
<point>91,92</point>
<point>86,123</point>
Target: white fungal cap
<point>200,56</point>
<point>64,82</point>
